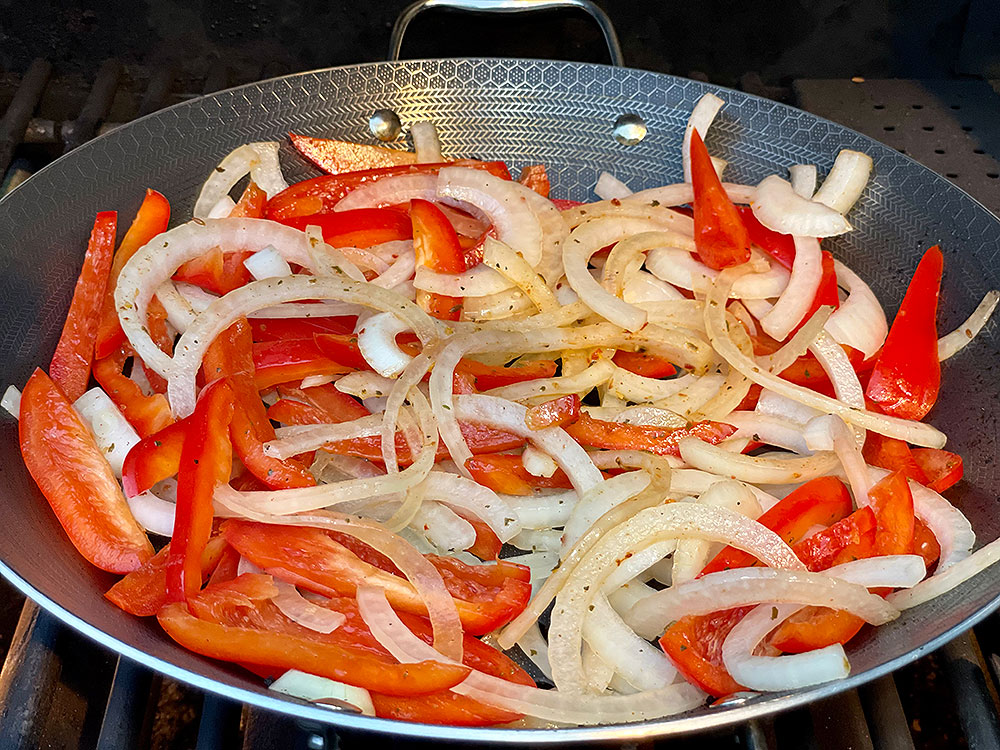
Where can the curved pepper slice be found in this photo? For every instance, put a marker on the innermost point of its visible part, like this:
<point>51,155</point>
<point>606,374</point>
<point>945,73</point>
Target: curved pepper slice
<point>663,442</point>
<point>720,238</point>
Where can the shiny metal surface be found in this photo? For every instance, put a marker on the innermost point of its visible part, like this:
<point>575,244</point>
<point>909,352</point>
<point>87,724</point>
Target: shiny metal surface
<point>523,111</point>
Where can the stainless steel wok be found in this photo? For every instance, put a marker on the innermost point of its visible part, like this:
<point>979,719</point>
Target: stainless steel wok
<point>522,111</point>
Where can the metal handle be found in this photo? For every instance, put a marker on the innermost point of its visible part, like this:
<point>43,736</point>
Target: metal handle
<point>507,6</point>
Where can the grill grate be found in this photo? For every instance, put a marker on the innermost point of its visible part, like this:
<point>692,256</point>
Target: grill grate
<point>57,689</point>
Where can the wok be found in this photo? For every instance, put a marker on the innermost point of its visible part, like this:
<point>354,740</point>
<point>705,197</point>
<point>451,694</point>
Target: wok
<point>522,111</point>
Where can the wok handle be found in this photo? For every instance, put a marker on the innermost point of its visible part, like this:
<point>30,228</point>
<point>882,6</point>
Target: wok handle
<point>507,6</point>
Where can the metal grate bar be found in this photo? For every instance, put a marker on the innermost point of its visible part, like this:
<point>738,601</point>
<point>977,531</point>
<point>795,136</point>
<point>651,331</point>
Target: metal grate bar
<point>96,108</point>
<point>839,722</point>
<point>977,709</point>
<point>220,723</point>
<point>886,719</point>
<point>18,114</point>
<point>126,719</point>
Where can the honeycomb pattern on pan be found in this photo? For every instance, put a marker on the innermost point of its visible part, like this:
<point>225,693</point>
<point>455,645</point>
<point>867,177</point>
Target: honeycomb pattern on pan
<point>523,111</point>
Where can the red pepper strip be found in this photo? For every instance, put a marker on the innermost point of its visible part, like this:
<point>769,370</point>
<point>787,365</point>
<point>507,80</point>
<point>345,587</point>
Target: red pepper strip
<point>564,203</point>
<point>237,621</point>
<point>335,406</point>
<point>694,645</point>
<point>480,439</point>
<point>343,349</point>
<point>290,361</point>
<point>645,364</point>
<point>907,374</point>
<point>720,238</point>
<point>504,473</point>
<point>448,707</point>
<point>147,414</point>
<point>76,479</point>
<point>335,157</point>
<point>942,469</point>
<point>277,329</point>
<point>228,567</point>
<point>925,544</point>
<point>74,353</point>
<point>150,220</point>
<point>822,501</point>
<point>436,246</point>
<point>144,591</point>
<point>321,194</point>
<point>806,370</point>
<point>290,412</point>
<point>159,331</point>
<point>597,433</point>
<point>216,271</point>
<point>361,227</point>
<point>894,455</point>
<point>231,356</point>
<point>487,596</point>
<point>487,377</point>
<point>251,204</point>
<point>488,545</point>
<point>893,505</point>
<point>555,413</point>
<point>206,461</point>
<point>827,292</point>
<point>779,246</point>
<point>535,177</point>
<point>154,458</point>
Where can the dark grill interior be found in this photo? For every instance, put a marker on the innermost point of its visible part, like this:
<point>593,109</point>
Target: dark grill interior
<point>59,690</point>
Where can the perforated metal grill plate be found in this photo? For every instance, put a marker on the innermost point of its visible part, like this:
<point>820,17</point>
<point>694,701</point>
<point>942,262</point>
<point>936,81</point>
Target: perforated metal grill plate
<point>523,111</point>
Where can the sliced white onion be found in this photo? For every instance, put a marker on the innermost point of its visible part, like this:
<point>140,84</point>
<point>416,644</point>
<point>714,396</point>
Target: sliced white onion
<point>300,610</point>
<point>803,179</point>
<point>266,174</point>
<point>829,432</point>
<point>535,648</point>
<point>755,469</point>
<point>153,513</point>
<point>390,191</point>
<point>426,143</point>
<point>838,368</point>
<point>515,269</point>
<point>638,564</point>
<point>642,286</point>
<point>776,405</point>
<point>951,344</point>
<point>11,401</point>
<point>222,209</point>
<point>796,299</point>
<point>680,268</point>
<point>538,464</point>
<point>377,344</point>
<point>471,497</point>
<point>542,511</point>
<point>364,384</point>
<point>267,264</point>
<point>112,432</point>
<point>609,187</point>
<point>846,181</point>
<point>309,687</point>
<point>236,165</point>
<point>947,578</point>
<point>779,208</point>
<point>538,540</point>
<point>860,320</point>
<point>701,118</point>
<point>442,527</point>
<point>641,664</point>
<point>479,281</point>
<point>581,383</point>
<point>599,499</point>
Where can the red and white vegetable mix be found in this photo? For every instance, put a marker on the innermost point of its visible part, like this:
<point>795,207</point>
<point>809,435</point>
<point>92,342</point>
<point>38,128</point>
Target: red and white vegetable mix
<point>333,406</point>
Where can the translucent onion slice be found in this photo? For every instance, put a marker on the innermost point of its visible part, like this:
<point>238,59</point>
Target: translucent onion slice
<point>860,320</point>
<point>153,513</point>
<point>947,579</point>
<point>641,664</point>
<point>951,344</point>
<point>309,687</point>
<point>642,286</point>
<point>11,401</point>
<point>443,528</point>
<point>267,264</point>
<point>233,168</point>
<point>744,586</point>
<point>702,115</point>
<point>756,469</point>
<point>680,268</point>
<point>769,429</point>
<point>798,344</point>
<point>536,463</point>
<point>390,191</point>
<point>581,383</point>
<point>295,440</point>
<point>846,181</point>
<point>515,268</point>
<point>917,433</point>
<point>426,143</point>
<point>838,368</point>
<point>377,344</point>
<point>542,511</point>
<point>609,187</point>
<point>829,432</point>
<point>797,297</point>
<point>779,208</point>
<point>803,179</point>
<point>113,434</point>
<point>459,492</point>
<point>776,405</point>
<point>695,482</point>
<point>656,200</point>
<point>389,630</point>
<point>599,499</point>
<point>479,281</point>
<point>364,384</point>
<point>300,610</point>
<point>673,521</point>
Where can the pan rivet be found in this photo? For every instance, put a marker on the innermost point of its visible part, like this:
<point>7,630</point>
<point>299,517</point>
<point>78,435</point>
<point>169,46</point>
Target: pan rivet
<point>629,129</point>
<point>385,125</point>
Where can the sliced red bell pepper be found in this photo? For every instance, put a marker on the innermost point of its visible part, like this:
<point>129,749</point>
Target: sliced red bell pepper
<point>336,157</point>
<point>555,413</point>
<point>907,374</point>
<point>436,246</point>
<point>228,566</point>
<point>893,505</point>
<point>335,405</point>
<point>361,227</point>
<point>487,596</point>
<point>74,476</point>
<point>231,356</point>
<point>535,177</point>
<point>70,368</point>
<point>564,204</point>
<point>815,627</point>
<point>343,349</point>
<point>144,591</point>
<point>251,204</point>
<point>206,461</point>
<point>480,439</point>
<point>290,361</point>
<point>215,271</point>
<point>942,469</point>
<point>821,501</point>
<point>277,329</point>
<point>147,414</point>
<point>850,538</point>
<point>448,707</point>
<point>720,238</point>
<point>487,377</point>
<point>645,364</point>
<point>694,645</point>
<point>159,331</point>
<point>505,473</point>
<point>806,370</point>
<point>321,194</point>
<point>154,458</point>
<point>893,455</point>
<point>925,544</point>
<point>597,433</point>
<point>487,545</point>
<point>237,621</point>
<point>150,220</point>
<point>779,246</point>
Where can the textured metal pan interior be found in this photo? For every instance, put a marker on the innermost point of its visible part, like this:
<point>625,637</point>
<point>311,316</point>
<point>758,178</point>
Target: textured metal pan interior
<point>522,111</point>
